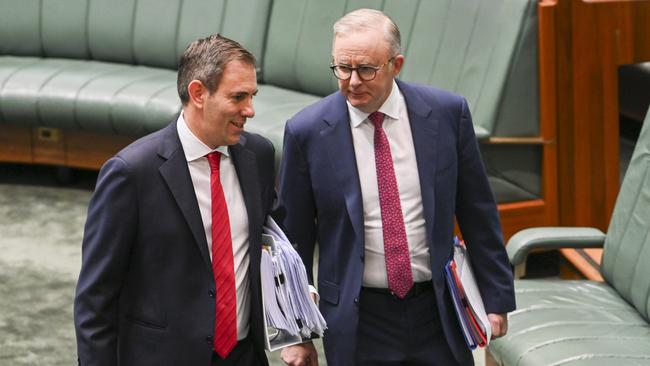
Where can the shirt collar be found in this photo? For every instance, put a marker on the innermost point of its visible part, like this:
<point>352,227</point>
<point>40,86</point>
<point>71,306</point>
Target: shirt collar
<point>192,146</point>
<point>390,108</point>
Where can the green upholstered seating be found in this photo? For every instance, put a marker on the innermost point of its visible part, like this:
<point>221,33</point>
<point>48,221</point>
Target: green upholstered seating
<point>585,322</point>
<point>109,67</point>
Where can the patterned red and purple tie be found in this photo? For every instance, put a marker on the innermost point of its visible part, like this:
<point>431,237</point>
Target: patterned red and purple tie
<point>396,250</point>
<point>223,269</point>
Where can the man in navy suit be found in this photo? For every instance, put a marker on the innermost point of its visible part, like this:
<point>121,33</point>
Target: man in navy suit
<point>171,248</point>
<point>375,174</point>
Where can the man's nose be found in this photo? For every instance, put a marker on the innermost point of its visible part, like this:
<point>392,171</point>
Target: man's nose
<point>249,110</point>
<point>355,79</point>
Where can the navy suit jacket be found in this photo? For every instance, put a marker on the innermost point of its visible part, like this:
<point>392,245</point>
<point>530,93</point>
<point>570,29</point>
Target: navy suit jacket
<point>146,293</point>
<point>320,199</point>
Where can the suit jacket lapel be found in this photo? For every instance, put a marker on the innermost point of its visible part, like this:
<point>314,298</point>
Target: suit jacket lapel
<point>424,128</point>
<point>176,174</point>
<point>337,137</point>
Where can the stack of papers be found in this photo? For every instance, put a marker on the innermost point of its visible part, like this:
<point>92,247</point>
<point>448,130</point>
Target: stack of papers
<point>466,297</point>
<point>290,314</point>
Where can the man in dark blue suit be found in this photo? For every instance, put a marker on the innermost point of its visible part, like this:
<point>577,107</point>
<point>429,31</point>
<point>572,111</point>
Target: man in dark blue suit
<point>171,248</point>
<point>375,174</point>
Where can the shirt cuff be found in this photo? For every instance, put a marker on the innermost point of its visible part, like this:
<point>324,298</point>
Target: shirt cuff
<point>312,290</point>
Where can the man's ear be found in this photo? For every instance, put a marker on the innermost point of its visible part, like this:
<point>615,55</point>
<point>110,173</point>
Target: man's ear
<point>197,92</point>
<point>398,62</point>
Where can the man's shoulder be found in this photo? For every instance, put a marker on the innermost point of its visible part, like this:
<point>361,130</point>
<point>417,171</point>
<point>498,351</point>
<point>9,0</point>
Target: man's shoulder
<point>430,93</point>
<point>317,111</point>
<point>145,149</point>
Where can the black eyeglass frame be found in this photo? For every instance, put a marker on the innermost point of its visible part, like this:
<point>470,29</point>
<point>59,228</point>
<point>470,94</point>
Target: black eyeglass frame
<point>375,69</point>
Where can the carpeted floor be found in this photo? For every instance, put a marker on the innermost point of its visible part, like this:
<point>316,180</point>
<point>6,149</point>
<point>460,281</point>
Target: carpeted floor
<point>40,235</point>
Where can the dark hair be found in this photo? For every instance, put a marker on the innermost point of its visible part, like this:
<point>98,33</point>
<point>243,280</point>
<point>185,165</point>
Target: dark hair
<point>205,59</point>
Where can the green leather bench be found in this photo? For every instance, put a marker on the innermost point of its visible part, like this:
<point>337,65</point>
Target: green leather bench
<point>586,322</point>
<point>108,67</point>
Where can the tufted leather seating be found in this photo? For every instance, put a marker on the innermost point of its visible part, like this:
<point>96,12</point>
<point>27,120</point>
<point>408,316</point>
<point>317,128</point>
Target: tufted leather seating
<point>586,322</point>
<point>108,67</point>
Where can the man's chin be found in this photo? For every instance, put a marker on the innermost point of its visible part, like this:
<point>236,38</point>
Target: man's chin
<point>361,105</point>
<point>233,140</point>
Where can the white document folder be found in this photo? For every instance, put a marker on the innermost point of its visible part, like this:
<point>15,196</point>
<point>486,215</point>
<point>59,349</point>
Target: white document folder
<point>275,338</point>
<point>290,314</point>
<point>467,300</point>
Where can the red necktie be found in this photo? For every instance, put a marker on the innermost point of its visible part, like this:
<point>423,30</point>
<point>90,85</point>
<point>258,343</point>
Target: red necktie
<point>225,327</point>
<point>396,249</point>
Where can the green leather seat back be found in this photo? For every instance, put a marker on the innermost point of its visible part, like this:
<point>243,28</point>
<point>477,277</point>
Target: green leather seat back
<point>484,50</point>
<point>627,247</point>
<point>142,32</point>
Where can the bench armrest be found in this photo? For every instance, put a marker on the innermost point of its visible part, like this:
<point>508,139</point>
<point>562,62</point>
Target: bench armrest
<point>527,240</point>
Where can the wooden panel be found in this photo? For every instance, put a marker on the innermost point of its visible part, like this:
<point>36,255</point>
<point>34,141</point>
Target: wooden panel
<point>48,145</point>
<point>58,147</point>
<point>593,39</point>
<point>15,144</point>
<point>521,215</point>
<point>548,112</point>
<point>89,150</point>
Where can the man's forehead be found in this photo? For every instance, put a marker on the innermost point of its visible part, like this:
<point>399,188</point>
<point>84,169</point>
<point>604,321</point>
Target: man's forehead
<point>358,47</point>
<point>238,77</point>
<point>358,55</point>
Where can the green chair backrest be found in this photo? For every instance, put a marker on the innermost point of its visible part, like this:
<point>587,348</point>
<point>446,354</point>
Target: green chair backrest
<point>485,50</point>
<point>143,32</point>
<point>626,256</point>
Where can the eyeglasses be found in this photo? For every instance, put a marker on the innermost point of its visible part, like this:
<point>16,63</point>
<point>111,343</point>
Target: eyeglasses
<point>365,73</point>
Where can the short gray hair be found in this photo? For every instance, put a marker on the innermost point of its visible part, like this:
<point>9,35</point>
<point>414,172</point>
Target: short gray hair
<point>365,19</point>
<point>205,59</point>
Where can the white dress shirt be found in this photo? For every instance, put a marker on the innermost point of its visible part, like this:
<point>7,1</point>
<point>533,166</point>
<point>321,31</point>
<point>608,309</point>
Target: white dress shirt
<point>195,153</point>
<point>398,131</point>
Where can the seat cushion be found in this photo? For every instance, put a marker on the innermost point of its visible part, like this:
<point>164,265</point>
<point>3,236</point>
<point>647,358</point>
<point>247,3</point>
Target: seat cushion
<point>572,323</point>
<point>86,95</point>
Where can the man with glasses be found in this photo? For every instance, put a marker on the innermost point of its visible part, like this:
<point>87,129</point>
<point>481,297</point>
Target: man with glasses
<point>376,173</point>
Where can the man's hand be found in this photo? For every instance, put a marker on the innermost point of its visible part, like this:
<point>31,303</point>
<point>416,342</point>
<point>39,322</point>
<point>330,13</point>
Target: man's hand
<point>303,354</point>
<point>499,323</point>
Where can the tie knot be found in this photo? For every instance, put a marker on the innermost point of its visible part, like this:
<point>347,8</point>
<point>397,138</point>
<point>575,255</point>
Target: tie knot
<point>214,158</point>
<point>377,118</point>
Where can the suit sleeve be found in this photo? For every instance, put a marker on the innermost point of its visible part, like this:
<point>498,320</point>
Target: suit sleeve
<point>108,236</point>
<point>478,219</point>
<point>296,212</point>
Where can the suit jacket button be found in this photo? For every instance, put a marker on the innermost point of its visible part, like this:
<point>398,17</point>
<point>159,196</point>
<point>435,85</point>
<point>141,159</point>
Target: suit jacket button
<point>208,339</point>
<point>211,293</point>
<point>356,300</point>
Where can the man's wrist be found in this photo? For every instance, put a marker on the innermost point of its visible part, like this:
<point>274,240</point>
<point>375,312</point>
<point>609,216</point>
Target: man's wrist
<point>314,293</point>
